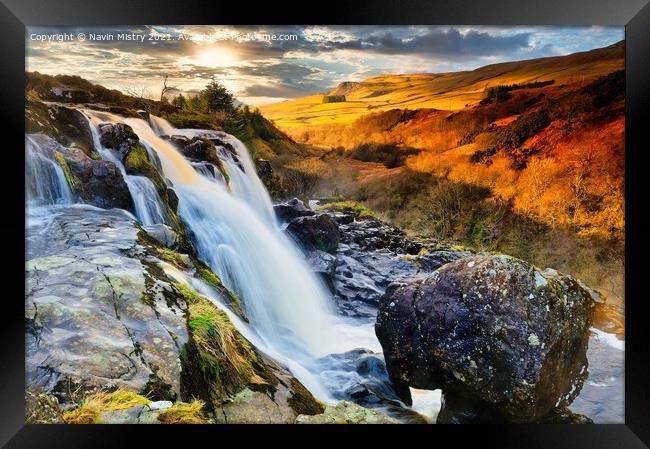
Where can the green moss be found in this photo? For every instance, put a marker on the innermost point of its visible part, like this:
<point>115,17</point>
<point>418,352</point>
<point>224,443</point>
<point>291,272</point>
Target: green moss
<point>69,177</point>
<point>137,161</point>
<point>360,211</point>
<point>210,277</point>
<point>213,280</point>
<point>187,293</point>
<point>172,257</point>
<point>217,361</point>
<point>302,401</point>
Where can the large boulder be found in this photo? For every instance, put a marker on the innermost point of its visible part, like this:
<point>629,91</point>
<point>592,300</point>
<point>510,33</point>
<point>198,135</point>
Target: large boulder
<point>502,339</point>
<point>98,182</point>
<point>291,209</point>
<point>201,150</point>
<point>117,136</point>
<point>66,125</point>
<point>318,232</point>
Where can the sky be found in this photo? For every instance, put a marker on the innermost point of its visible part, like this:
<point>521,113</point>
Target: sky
<point>267,64</point>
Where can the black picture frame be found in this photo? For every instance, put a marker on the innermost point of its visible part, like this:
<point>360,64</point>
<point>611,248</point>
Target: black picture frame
<point>634,14</point>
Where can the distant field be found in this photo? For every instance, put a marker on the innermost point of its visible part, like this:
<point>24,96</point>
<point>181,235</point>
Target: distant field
<point>446,91</point>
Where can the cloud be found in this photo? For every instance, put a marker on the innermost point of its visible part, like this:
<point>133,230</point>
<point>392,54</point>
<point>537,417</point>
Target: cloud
<point>316,61</point>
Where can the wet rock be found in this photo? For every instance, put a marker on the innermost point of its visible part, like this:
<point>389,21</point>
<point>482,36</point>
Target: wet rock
<point>172,199</point>
<point>118,137</point>
<point>318,232</point>
<point>163,235</point>
<point>179,141</point>
<point>362,277</point>
<point>41,409</point>
<point>368,385</point>
<point>291,209</point>
<point>98,182</point>
<point>346,413</point>
<point>144,114</point>
<point>97,315</point>
<point>201,150</point>
<point>324,265</point>
<point>67,125</point>
<point>489,329</point>
<point>370,255</point>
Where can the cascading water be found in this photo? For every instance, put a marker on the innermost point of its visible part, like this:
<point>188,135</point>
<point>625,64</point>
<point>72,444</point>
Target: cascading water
<point>161,126</point>
<point>241,242</point>
<point>45,181</point>
<point>286,304</point>
<point>149,208</point>
<point>235,232</point>
<point>243,183</point>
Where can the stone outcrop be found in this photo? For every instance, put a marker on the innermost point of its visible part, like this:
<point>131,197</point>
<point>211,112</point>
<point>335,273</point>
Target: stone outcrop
<point>504,341</point>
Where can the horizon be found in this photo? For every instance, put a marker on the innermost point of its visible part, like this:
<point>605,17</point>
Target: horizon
<point>265,65</point>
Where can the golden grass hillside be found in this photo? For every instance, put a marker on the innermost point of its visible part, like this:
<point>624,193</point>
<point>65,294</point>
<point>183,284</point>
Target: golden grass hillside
<point>445,91</point>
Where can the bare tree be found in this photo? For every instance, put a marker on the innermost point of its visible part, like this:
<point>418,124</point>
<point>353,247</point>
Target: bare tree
<point>166,88</point>
<point>140,92</point>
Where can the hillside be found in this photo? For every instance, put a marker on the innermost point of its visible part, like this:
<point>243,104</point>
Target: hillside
<point>264,139</point>
<point>445,91</point>
<point>534,166</point>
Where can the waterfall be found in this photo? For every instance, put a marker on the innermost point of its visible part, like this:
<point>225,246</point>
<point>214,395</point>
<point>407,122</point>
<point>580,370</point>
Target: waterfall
<point>148,206</point>
<point>161,127</point>
<point>244,183</point>
<point>234,231</point>
<point>146,201</point>
<point>45,181</point>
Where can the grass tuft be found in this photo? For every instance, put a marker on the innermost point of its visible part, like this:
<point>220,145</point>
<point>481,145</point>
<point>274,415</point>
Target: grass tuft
<point>184,413</point>
<point>90,410</point>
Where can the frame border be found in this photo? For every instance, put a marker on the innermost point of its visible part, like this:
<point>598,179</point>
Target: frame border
<point>634,14</point>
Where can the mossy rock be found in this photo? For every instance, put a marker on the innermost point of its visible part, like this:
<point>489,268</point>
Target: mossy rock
<point>202,149</point>
<point>66,125</point>
<point>137,162</point>
<point>360,211</point>
<point>346,413</point>
<point>73,183</point>
<point>217,361</point>
<point>220,367</point>
<point>231,298</point>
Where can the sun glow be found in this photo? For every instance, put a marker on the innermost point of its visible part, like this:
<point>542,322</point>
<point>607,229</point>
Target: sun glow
<point>215,58</point>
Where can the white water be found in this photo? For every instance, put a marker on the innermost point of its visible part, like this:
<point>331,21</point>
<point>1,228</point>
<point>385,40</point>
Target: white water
<point>45,181</point>
<point>235,232</point>
<point>244,182</point>
<point>161,126</point>
<point>146,201</point>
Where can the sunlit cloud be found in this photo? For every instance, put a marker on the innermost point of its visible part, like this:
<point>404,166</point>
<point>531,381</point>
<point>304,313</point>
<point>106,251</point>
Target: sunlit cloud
<point>319,57</point>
